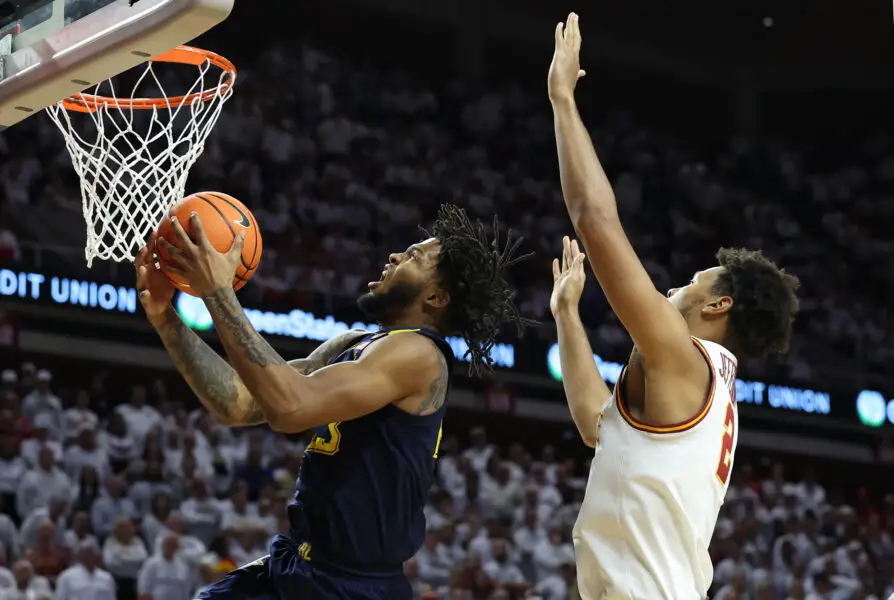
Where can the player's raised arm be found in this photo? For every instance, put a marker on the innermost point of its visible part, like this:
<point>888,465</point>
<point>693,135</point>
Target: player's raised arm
<point>293,402</point>
<point>216,384</point>
<point>585,388</point>
<point>657,328</point>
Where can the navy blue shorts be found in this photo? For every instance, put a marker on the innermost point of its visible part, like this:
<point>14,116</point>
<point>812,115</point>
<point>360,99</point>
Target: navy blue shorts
<point>283,575</point>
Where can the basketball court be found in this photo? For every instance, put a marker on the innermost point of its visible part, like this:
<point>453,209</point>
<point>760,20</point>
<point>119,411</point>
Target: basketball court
<point>133,138</point>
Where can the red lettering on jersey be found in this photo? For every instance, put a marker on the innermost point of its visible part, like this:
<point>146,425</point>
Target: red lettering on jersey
<point>726,444</point>
<point>728,373</point>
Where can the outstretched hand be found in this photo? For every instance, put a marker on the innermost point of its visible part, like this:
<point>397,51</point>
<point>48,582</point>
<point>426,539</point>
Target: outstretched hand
<point>565,69</point>
<point>568,277</point>
<point>200,263</point>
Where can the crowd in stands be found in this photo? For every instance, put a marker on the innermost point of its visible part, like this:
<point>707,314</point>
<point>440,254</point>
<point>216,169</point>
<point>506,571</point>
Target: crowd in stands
<point>146,499</point>
<point>343,165</point>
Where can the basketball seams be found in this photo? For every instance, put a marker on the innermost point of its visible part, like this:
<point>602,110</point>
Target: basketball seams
<point>213,199</point>
<point>251,217</point>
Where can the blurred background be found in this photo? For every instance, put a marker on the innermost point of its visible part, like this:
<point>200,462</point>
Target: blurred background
<point>754,123</point>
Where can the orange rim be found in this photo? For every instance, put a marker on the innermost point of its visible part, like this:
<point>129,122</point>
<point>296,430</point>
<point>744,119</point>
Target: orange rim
<point>184,55</point>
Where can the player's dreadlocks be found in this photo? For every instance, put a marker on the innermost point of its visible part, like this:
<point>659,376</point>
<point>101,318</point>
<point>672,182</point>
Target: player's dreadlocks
<point>472,269</point>
<point>764,301</point>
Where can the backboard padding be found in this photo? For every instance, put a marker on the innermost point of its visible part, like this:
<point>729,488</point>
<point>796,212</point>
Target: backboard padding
<point>103,44</point>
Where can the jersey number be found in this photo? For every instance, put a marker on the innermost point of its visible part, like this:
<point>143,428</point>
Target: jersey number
<point>726,445</point>
<point>320,445</point>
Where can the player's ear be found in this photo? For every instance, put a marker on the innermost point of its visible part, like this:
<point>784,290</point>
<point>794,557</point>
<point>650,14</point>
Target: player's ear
<point>438,299</point>
<point>717,306</point>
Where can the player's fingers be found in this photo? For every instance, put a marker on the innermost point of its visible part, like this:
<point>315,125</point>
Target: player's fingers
<point>566,253</point>
<point>142,276</point>
<point>238,243</point>
<point>183,239</point>
<point>574,25</point>
<point>581,74</point>
<point>579,262</point>
<point>172,268</point>
<point>556,270</point>
<point>173,251</point>
<point>559,36</point>
<point>575,249</point>
<point>198,231</point>
<point>141,258</point>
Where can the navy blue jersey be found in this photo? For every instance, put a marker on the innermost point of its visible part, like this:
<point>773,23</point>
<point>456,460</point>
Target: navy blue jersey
<point>363,483</point>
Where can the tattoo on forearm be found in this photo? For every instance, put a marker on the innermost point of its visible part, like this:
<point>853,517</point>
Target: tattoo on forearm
<point>213,380</point>
<point>225,306</point>
<point>437,390</point>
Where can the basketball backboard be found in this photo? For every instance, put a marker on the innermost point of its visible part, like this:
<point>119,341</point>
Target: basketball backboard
<point>51,49</point>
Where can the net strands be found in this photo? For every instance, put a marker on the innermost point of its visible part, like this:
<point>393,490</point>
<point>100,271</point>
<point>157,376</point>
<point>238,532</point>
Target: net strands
<point>133,155</point>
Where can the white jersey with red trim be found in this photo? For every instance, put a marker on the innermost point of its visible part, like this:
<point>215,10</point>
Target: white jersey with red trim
<point>654,494</point>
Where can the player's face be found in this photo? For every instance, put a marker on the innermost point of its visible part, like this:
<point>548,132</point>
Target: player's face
<point>408,277</point>
<point>698,293</point>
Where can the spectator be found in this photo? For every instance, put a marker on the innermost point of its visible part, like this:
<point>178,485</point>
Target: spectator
<point>55,513</point>
<point>189,549</point>
<point>433,561</point>
<point>86,579</point>
<point>40,485</point>
<point>87,489</point>
<point>154,520</point>
<point>201,512</point>
<point>151,483</point>
<point>164,575</point>
<point>12,470</point>
<point>42,400</point>
<point>119,444</point>
<point>79,417</point>
<point>124,554</point>
<point>502,571</point>
<point>79,532</point>
<point>27,584</point>
<point>48,557</point>
<point>551,553</point>
<point>108,508</point>
<point>86,452</point>
<point>237,511</point>
<point>139,417</point>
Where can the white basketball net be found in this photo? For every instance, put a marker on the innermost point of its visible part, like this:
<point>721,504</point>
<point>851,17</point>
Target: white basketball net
<point>133,162</point>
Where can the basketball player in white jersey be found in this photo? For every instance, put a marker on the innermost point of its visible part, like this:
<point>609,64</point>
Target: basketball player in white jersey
<point>665,440</point>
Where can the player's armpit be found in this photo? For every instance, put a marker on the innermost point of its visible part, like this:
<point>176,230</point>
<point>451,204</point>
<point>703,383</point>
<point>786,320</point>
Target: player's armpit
<point>326,351</point>
<point>585,388</point>
<point>657,328</point>
<point>390,370</point>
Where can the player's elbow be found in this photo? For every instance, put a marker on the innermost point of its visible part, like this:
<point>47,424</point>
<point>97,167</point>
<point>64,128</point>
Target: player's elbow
<point>287,424</point>
<point>594,213</point>
<point>589,440</point>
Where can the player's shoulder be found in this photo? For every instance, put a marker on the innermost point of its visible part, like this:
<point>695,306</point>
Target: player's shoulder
<point>407,344</point>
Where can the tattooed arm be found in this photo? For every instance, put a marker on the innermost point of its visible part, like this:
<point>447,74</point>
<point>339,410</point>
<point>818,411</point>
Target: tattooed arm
<point>407,370</point>
<point>216,383</point>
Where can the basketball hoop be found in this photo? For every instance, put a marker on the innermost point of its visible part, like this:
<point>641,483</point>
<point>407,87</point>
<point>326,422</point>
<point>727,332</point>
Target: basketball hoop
<point>134,154</point>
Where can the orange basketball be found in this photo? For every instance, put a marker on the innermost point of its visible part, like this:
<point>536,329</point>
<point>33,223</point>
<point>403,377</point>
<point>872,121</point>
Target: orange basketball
<point>223,217</point>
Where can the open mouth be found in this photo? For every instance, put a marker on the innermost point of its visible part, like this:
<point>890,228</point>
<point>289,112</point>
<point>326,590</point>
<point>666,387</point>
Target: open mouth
<point>374,284</point>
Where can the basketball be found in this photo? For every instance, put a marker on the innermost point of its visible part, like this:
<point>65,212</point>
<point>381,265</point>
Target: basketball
<point>222,218</point>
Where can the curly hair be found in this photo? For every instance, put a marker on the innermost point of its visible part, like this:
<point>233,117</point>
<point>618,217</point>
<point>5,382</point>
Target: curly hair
<point>472,269</point>
<point>764,302</point>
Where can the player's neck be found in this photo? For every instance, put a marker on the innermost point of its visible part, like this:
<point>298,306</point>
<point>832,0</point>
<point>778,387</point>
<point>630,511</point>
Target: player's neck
<point>712,331</point>
<point>410,322</point>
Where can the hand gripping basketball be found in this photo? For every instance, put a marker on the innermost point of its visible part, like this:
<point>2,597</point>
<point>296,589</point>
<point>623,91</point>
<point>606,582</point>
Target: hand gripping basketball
<point>198,262</point>
<point>154,288</point>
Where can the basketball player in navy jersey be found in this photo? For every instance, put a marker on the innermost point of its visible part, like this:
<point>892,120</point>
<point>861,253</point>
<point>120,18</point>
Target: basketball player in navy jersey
<point>375,401</point>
